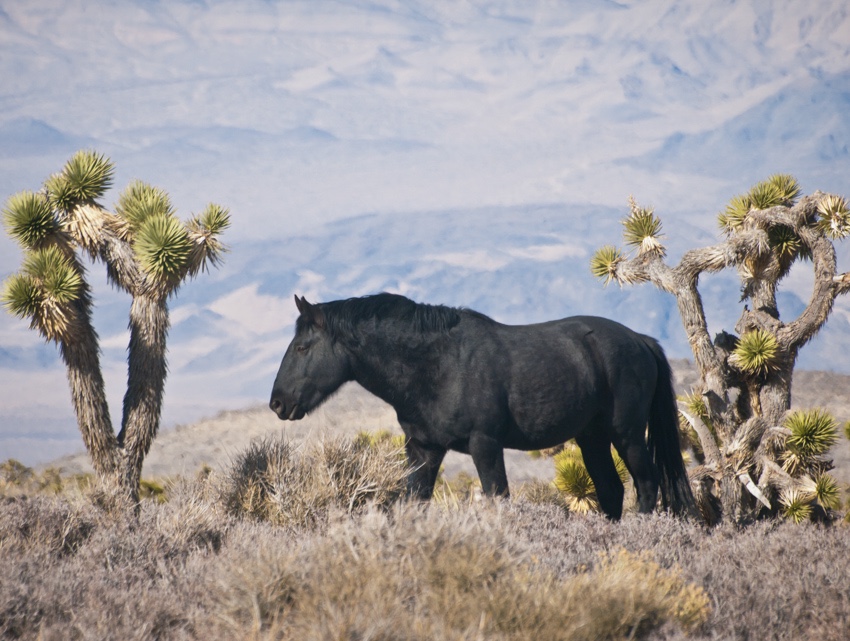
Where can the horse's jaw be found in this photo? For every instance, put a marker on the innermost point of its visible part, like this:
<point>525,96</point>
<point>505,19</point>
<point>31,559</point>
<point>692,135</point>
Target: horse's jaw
<point>296,414</point>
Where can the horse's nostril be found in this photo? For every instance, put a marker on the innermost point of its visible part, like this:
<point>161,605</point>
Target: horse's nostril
<point>276,405</point>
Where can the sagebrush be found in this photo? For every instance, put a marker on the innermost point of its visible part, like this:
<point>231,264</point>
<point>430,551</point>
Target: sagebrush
<point>196,567</point>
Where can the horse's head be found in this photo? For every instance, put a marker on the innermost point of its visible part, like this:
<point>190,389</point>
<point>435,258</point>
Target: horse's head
<point>313,367</point>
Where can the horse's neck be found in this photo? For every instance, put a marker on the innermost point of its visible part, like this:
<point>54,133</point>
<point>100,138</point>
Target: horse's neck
<point>390,370</point>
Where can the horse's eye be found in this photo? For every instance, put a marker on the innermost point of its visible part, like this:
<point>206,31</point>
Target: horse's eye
<point>301,349</point>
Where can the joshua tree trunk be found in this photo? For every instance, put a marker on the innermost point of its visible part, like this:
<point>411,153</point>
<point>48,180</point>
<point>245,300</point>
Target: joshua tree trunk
<point>82,362</point>
<point>147,371</point>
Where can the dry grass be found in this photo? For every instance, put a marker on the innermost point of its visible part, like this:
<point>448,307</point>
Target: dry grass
<point>229,557</point>
<point>426,573</point>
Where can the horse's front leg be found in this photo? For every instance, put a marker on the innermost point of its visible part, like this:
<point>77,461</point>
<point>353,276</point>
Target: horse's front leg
<point>489,458</point>
<point>425,464</point>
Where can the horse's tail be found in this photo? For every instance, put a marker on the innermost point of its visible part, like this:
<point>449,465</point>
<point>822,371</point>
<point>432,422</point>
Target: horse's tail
<point>663,441</point>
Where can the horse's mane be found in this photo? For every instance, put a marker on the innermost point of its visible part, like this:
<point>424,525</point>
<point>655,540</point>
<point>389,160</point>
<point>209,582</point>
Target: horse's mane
<point>343,316</point>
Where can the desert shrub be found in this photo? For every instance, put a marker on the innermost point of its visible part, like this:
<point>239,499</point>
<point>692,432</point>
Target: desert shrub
<point>420,572</point>
<point>116,587</point>
<point>380,437</point>
<point>270,482</point>
<point>790,585</point>
<point>13,472</point>
<point>70,570</point>
<point>665,595</point>
<point>16,479</point>
<point>539,492</point>
<point>189,519</point>
<point>458,490</point>
<point>478,569</point>
<point>39,524</point>
<point>771,580</point>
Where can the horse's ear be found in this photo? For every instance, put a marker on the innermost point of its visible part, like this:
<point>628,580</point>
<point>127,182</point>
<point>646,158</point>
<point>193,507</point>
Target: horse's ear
<point>309,312</point>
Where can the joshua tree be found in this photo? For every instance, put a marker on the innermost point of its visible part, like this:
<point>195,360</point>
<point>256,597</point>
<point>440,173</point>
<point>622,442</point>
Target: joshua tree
<point>740,411</point>
<point>148,252</point>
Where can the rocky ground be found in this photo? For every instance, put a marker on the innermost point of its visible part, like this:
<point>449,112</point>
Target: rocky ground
<point>215,441</point>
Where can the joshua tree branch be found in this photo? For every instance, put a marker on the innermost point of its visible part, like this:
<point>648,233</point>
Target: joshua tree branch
<point>104,236</point>
<point>797,217</point>
<point>681,281</point>
<point>730,253</point>
<point>799,332</point>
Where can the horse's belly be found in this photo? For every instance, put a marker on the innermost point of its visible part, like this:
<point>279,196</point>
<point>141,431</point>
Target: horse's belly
<point>546,421</point>
<point>516,440</point>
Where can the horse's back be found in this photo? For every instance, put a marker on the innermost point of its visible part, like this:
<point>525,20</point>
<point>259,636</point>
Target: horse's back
<point>563,375</point>
<point>589,345</point>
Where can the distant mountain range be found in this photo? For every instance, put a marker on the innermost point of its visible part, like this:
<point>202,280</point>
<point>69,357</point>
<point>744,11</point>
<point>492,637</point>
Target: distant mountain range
<point>518,265</point>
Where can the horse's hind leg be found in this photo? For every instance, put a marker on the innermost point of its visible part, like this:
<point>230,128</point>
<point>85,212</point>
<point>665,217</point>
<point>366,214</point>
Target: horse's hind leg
<point>634,452</point>
<point>596,452</point>
<point>489,458</point>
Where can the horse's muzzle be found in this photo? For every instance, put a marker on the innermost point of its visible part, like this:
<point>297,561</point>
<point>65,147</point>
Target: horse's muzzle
<point>286,412</point>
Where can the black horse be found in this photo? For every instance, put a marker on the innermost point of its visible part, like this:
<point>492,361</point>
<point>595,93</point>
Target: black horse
<point>459,380</point>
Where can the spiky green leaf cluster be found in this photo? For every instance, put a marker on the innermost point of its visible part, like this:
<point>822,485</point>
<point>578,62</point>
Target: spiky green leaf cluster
<point>85,178</point>
<point>162,247</point>
<point>140,202</point>
<point>22,296</point>
<point>778,190</point>
<point>764,195</point>
<point>827,492</point>
<point>58,276</point>
<point>813,432</point>
<point>204,231</point>
<point>796,505</point>
<point>786,243</point>
<point>604,263</point>
<point>695,403</point>
<point>213,220</point>
<point>28,218</point>
<point>757,352</point>
<point>573,479</point>
<point>642,229</point>
<point>788,188</point>
<point>42,291</point>
<point>834,220</point>
<point>798,502</point>
<point>733,216</point>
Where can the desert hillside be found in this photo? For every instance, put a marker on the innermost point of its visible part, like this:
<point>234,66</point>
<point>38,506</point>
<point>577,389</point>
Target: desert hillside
<point>216,440</point>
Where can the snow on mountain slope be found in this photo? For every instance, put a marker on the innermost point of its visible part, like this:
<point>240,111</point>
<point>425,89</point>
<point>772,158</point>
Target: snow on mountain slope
<point>803,129</point>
